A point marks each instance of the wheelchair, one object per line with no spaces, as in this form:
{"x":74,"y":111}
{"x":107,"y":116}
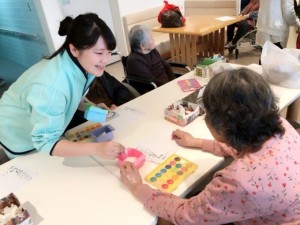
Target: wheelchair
{"x":247,"y":38}
{"x":144,"y":85}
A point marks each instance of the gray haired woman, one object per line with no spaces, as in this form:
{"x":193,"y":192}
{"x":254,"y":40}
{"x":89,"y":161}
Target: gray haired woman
{"x":144,"y":61}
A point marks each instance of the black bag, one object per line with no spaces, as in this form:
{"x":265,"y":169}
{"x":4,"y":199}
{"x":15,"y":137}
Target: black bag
{"x":170,"y":18}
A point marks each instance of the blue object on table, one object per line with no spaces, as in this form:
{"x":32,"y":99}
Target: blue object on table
{"x":104,"y":133}
{"x":96,"y":114}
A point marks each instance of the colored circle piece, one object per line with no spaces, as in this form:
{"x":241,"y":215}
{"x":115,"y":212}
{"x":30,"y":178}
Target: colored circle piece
{"x":170,"y":181}
{"x":153,"y":179}
{"x":163,"y":170}
{"x":165,"y":186}
{"x":179,"y":173}
{"x":168,"y":166}
{"x":178,"y":165}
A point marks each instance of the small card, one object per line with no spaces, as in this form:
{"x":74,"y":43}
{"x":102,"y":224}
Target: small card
{"x":189,"y":84}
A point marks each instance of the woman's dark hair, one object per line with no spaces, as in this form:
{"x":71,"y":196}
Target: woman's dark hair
{"x":241,"y":106}
{"x":83,"y":32}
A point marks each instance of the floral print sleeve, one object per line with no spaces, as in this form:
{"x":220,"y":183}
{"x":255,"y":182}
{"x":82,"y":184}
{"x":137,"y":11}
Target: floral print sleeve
{"x":258,"y":188}
{"x":219,"y":149}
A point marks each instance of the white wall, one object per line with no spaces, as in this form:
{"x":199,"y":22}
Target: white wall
{"x":50,"y":15}
{"x":75,"y":7}
{"x":111,"y":11}
{"x":125,"y":7}
{"x":23,"y":39}
{"x":130,"y":6}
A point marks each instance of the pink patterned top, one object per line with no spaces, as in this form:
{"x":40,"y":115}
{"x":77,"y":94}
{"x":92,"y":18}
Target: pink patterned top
{"x":258,"y":188}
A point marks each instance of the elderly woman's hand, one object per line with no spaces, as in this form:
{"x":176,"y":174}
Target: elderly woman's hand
{"x":183,"y":138}
{"x":130,"y":176}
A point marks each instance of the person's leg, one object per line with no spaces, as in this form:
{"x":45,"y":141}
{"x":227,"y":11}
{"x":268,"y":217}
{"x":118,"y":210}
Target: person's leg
{"x":243,"y":29}
{"x":230,"y":32}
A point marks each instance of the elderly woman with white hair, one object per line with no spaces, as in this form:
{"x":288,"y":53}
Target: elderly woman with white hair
{"x":144,"y":61}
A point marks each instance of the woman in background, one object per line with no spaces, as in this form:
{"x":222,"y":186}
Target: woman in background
{"x":274,"y":20}
{"x":250,"y":13}
{"x":261,"y":185}
{"x":144,"y":61}
{"x":37,"y":108}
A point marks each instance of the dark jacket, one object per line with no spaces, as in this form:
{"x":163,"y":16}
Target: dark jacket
{"x":105,"y":89}
{"x":108,"y":90}
{"x":150,"y":66}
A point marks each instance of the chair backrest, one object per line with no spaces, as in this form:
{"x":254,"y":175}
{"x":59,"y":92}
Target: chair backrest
{"x":131,"y":89}
{"x":148,"y":18}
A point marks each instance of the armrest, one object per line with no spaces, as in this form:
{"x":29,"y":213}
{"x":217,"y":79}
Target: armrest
{"x":141,"y":80}
{"x":179,"y":65}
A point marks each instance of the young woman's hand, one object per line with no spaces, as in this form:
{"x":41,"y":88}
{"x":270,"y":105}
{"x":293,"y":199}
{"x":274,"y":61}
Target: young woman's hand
{"x":109,"y":149}
{"x":183,"y":138}
{"x":113,"y":106}
{"x":100,"y":105}
{"x":130,"y":176}
{"x":103,"y":106}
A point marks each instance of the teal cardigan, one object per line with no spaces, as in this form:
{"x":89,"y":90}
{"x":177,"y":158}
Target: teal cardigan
{"x":36,"y":109}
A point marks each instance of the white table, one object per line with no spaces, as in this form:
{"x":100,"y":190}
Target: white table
{"x":86,"y":190}
{"x":74,"y":191}
{"x":153,"y":104}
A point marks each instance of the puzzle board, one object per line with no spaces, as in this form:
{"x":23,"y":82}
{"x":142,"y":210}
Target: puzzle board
{"x":82,"y":133}
{"x":169,"y":175}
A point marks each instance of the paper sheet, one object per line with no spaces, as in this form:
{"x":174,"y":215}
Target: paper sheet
{"x":14,"y":178}
{"x":225,"y":18}
{"x":158,"y":146}
{"x":126,"y":116}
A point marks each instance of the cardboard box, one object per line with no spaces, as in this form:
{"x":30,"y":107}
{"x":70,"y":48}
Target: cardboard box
{"x":182,"y":112}
{"x":11,"y":212}
{"x":202,"y":67}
